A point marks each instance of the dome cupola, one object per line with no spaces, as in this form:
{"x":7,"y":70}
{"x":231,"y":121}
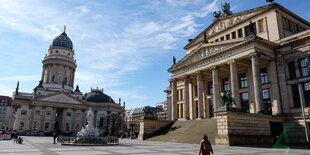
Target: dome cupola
{"x":62,"y":41}
{"x":97,"y":95}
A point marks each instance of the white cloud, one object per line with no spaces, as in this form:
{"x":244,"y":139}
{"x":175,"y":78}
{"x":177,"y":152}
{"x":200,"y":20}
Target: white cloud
{"x":4,"y":90}
{"x":82,"y":8}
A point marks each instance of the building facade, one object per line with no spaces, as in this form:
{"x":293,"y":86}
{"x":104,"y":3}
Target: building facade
{"x":6,"y":113}
{"x":261,"y":56}
{"x":55,"y":106}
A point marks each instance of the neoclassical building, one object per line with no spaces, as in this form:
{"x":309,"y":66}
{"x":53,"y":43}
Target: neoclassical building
{"x":260,"y":55}
{"x":54,"y":104}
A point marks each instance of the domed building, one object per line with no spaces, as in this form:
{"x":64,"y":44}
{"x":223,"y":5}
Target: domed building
{"x":55,"y":106}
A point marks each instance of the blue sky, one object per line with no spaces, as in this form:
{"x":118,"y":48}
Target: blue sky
{"x":123,"y":46}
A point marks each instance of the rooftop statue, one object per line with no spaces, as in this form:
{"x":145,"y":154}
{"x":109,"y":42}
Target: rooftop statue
{"x":226,"y":9}
{"x":217,"y":14}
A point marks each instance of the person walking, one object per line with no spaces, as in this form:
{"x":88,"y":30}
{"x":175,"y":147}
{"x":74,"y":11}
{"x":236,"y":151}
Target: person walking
{"x":15,"y":137}
{"x":205,"y":146}
{"x":54,"y":137}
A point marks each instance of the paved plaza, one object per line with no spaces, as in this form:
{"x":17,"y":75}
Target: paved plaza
{"x":44,"y":145}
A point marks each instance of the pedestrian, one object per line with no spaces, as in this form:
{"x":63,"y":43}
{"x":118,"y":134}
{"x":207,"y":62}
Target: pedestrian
{"x":205,"y":146}
{"x":15,"y":137}
{"x":54,"y":137}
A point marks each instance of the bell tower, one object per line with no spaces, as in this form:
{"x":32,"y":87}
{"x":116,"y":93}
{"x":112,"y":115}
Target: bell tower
{"x":59,"y":64}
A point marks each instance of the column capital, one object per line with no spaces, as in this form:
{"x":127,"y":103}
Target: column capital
{"x":172,"y":80}
{"x":186,"y":76}
{"x":214,"y":68}
{"x":253,"y":55}
{"x":198,"y":72}
{"x":231,"y":61}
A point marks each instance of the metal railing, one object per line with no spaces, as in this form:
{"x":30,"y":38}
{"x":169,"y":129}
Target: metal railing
{"x":88,"y":140}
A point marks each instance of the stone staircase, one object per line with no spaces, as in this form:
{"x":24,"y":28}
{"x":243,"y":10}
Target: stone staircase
{"x":295,"y":130}
{"x":190,"y":131}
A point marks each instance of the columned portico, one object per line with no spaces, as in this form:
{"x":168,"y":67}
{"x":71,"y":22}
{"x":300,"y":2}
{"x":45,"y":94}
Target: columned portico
{"x":234,"y":82}
{"x":216,"y":90}
{"x":257,"y":83}
{"x":186,"y":98}
{"x":200,"y":94}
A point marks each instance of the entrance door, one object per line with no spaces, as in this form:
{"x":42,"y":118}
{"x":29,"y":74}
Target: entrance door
{"x":58,"y":119}
{"x":276,"y":128}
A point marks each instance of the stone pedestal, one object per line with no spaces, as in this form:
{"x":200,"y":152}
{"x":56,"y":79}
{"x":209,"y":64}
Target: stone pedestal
{"x":238,"y":128}
{"x":149,"y":127}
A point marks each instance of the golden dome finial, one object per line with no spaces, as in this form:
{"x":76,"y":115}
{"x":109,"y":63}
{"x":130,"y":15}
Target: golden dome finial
{"x":65,"y":28}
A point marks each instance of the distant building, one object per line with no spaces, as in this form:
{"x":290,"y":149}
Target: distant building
{"x":161,"y":115}
{"x":6,"y":113}
{"x":162,"y":105}
{"x":55,"y":106}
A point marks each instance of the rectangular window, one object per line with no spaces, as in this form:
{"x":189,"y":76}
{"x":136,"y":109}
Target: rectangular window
{"x":178,"y":95}
{"x":225,"y":84}
{"x":240,"y":34}
{"x":181,"y":110}
{"x":267,"y":102}
{"x":303,"y":63}
{"x":48,"y":113}
{"x":46,"y":126}
{"x":291,"y":69}
{"x":290,"y":26}
{"x":181,"y":90}
{"x":23,"y":112}
{"x":216,"y":40}
{"x":35,"y":125}
{"x":53,"y":78}
{"x":222,"y":38}
{"x":261,"y":26}
{"x":69,"y":114}
{"x":211,"y":108}
{"x":243,"y":80}
{"x":210,"y":87}
{"x":37,"y":112}
{"x":228,"y":37}
{"x":264,"y":75}
{"x":196,"y":90}
{"x":295,"y":95}
{"x":233,"y":35}
{"x":245,"y":102}
{"x":307,"y":93}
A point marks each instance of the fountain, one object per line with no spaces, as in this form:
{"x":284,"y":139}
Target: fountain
{"x":88,"y":135}
{"x":89,"y":130}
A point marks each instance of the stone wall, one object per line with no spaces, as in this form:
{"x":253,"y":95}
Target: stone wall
{"x":237,"y":128}
{"x":149,"y":127}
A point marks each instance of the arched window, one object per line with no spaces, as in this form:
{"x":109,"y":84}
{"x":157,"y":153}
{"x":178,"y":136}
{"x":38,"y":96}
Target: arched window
{"x":21,"y":126}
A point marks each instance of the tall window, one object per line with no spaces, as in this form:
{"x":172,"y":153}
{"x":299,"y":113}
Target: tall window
{"x":181,"y":110}
{"x":211,"y":108}
{"x":196,"y":90}
{"x":228,"y":37}
{"x":77,"y":126}
{"x":243,"y":80}
{"x":295,"y":95}
{"x":267,"y":102}
{"x":67,"y":127}
{"x":181,"y":94}
{"x":53,"y":78}
{"x":307,"y":93}
{"x":261,"y":26}
{"x":225,"y":84}
{"x":264,"y":75}
{"x":240,"y":34}
{"x":233,"y":35}
{"x":210,"y":87}
{"x":245,"y":102}
{"x":46,"y":126}
{"x":222,"y":38}
{"x":196,"y":103}
{"x":291,"y":69}
{"x":303,"y":67}
{"x":21,"y":126}
{"x":35,"y":125}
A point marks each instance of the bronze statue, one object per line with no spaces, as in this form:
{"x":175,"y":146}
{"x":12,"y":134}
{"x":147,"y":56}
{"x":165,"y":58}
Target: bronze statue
{"x":226,"y":9}
{"x":217,"y":14}
{"x":252,"y":28}
{"x":228,"y":99}
{"x":270,"y":1}
{"x":174,"y":60}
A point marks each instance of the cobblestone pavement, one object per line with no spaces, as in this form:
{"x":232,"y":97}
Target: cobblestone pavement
{"x":44,"y":145}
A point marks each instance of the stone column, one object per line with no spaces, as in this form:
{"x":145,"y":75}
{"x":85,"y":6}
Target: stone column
{"x":191,"y":107}
{"x":186,"y":98}
{"x":72,"y":80}
{"x":179,"y":112}
{"x":168,"y":105}
{"x":174,"y":99}
{"x":275,"y":93}
{"x":31,"y":108}
{"x":43,"y":71}
{"x":302,"y":104}
{"x":42,"y":122}
{"x":216,"y":89}
{"x":234,"y":82}
{"x":257,"y":84}
{"x":200,"y":94}
{"x":63,"y":120}
{"x":53,"y":119}
{"x":73,"y":120}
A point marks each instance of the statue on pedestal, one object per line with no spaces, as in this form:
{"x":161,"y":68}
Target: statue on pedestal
{"x":228,"y":99}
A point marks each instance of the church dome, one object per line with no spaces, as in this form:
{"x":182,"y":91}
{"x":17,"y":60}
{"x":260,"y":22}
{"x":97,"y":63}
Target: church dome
{"x":62,"y":41}
{"x":97,"y":95}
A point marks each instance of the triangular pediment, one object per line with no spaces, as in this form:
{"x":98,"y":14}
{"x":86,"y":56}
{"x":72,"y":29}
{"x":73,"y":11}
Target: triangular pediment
{"x":224,"y":22}
{"x":60,"y":98}
{"x":205,"y":51}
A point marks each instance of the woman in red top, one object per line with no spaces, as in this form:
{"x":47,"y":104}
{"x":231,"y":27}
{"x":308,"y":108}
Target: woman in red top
{"x":205,"y":146}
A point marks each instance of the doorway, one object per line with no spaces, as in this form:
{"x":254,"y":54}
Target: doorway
{"x":276,"y":129}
